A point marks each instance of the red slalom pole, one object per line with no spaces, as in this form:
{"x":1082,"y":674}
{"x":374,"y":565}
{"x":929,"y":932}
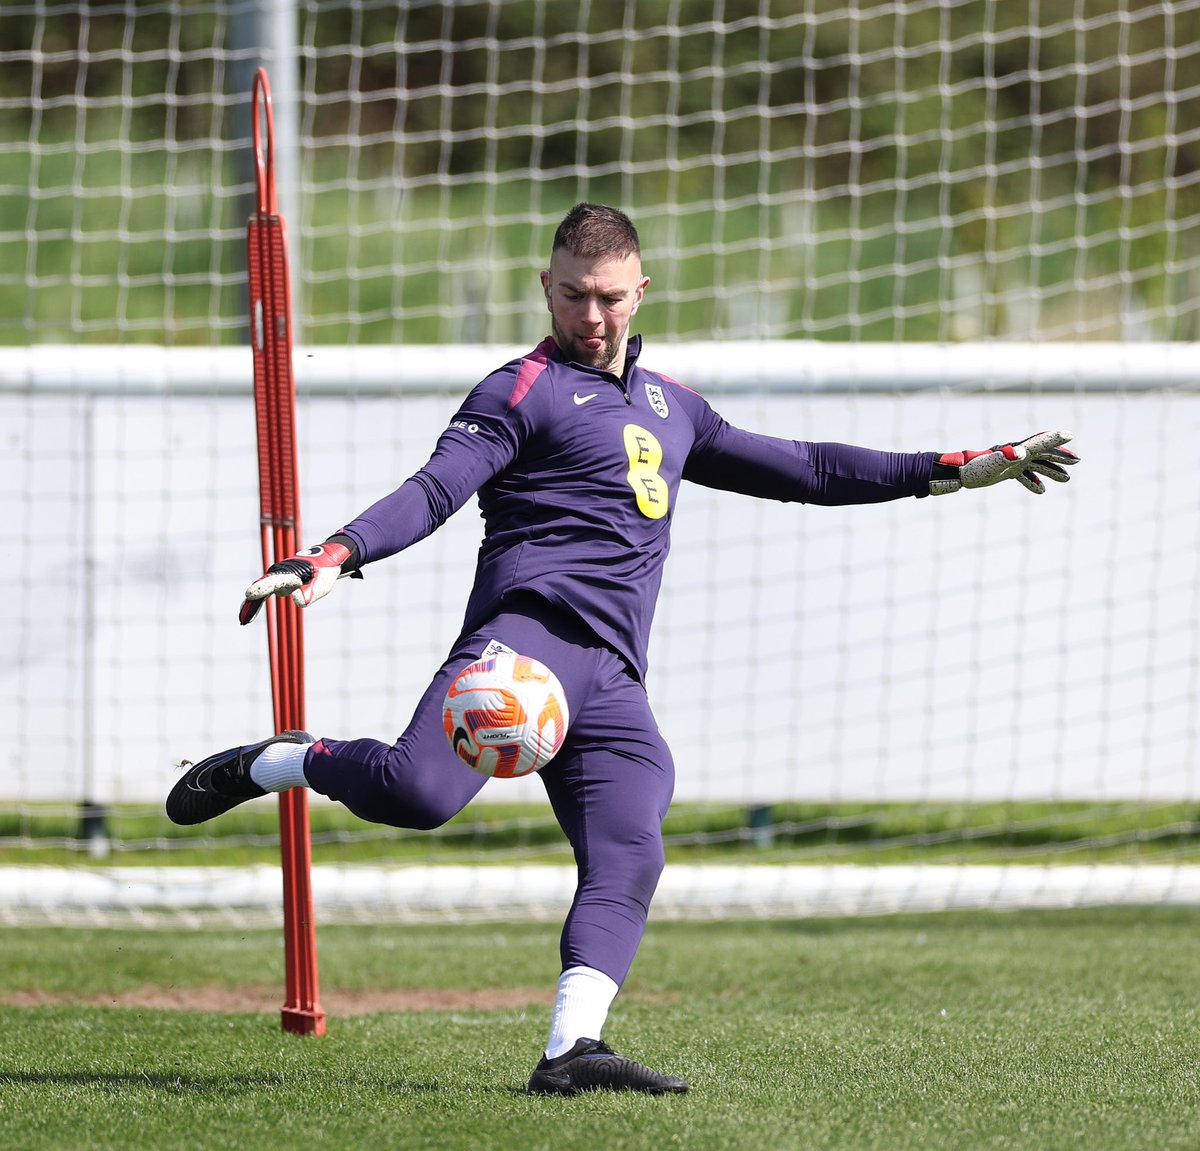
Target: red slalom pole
{"x":279,"y":503}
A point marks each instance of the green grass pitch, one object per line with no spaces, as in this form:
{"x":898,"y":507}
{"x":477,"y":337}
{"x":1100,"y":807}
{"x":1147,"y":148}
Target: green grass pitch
{"x":961,"y":1030}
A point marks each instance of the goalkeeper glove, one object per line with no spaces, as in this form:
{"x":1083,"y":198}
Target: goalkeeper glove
{"x":306,"y":576}
{"x":1026,"y":462}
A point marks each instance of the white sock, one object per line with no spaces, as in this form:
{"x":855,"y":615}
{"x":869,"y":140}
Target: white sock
{"x":580,"y":1009}
{"x":280,"y":766}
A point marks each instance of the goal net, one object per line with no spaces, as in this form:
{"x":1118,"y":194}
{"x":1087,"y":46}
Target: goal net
{"x":909,"y":225}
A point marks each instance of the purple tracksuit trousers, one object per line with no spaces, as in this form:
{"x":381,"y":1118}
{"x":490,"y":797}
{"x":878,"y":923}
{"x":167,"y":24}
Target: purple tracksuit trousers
{"x":610,"y":785}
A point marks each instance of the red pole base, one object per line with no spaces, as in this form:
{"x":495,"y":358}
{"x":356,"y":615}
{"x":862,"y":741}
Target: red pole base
{"x":298,"y":1021}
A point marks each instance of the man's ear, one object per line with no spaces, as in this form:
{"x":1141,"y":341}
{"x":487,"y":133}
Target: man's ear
{"x":638,"y":297}
{"x":546,"y":287}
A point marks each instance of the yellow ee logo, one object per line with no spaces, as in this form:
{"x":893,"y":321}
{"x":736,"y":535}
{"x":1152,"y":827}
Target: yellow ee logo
{"x":645,"y":457}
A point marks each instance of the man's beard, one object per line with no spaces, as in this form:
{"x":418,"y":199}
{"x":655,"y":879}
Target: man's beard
{"x":603,"y":357}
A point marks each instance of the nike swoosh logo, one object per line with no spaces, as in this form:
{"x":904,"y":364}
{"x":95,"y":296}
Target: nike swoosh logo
{"x":581,"y":400}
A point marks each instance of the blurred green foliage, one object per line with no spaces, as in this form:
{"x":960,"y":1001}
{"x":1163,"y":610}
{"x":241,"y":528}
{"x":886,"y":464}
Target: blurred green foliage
{"x":839,"y":161}
{"x":836,"y":86}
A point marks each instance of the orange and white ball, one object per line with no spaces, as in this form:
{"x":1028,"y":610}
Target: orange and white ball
{"x":506,"y":715}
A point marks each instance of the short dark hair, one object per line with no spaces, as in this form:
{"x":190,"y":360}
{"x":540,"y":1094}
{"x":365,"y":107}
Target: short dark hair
{"x":596,"y":231}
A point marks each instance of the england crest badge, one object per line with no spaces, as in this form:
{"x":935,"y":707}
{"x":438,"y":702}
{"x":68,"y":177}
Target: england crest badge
{"x":658,"y":401}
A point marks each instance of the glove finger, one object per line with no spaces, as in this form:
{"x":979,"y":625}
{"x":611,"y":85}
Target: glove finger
{"x":273,"y":583}
{"x":1057,"y":455}
{"x":1030,"y":481}
{"x":249,"y":609}
{"x":1050,"y":469}
{"x":1044,"y":442}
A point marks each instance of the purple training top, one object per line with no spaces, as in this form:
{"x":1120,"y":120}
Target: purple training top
{"x":578,"y":472}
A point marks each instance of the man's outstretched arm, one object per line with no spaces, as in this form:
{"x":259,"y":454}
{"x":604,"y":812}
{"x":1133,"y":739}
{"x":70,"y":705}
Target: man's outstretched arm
{"x":733,"y":459}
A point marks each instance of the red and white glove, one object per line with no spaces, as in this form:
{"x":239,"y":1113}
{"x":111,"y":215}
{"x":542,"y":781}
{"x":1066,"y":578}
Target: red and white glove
{"x":1026,"y":462}
{"x":306,"y":577}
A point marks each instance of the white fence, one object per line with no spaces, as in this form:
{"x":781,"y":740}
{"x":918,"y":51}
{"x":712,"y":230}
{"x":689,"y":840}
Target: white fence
{"x":986,"y":645}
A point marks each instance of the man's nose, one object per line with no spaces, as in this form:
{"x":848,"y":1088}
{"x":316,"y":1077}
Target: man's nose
{"x":592,"y":312}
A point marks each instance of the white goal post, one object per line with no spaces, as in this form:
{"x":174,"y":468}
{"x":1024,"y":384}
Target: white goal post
{"x":712,"y":367}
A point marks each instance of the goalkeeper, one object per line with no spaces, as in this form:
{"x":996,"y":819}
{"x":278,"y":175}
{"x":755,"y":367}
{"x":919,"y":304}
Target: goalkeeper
{"x":578,"y":455}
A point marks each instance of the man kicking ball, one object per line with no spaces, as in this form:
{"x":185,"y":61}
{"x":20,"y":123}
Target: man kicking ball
{"x":578,"y":455}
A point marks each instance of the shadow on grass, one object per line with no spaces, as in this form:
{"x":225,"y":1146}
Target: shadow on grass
{"x":226,"y":1085}
{"x":158,"y":1081}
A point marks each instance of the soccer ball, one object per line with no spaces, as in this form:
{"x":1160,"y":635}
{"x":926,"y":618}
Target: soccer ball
{"x":505,"y":715}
